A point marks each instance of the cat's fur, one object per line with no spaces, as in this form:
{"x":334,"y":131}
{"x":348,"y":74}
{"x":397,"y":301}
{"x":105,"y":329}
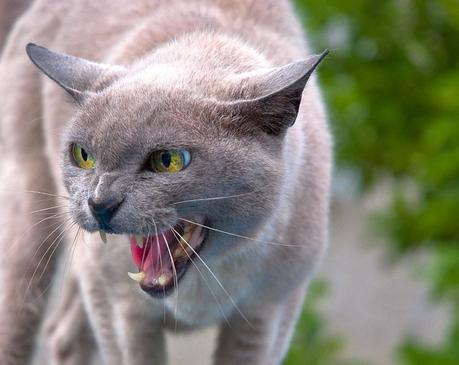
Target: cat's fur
{"x":10,"y":10}
{"x":186,"y":70}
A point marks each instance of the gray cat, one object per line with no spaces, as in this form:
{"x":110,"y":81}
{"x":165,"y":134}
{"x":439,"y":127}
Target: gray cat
{"x":194,"y":136}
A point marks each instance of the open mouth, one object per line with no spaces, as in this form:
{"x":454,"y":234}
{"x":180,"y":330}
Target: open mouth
{"x":163,"y":258}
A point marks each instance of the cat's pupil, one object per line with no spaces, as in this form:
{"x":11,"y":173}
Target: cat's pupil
{"x":84,"y":155}
{"x":166,"y":159}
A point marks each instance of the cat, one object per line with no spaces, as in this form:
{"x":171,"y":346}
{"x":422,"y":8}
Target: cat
{"x":188,"y":135}
{"x":10,"y":10}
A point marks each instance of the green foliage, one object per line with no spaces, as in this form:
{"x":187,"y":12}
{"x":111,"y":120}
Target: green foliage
{"x":312,"y":345}
{"x":392,"y":87}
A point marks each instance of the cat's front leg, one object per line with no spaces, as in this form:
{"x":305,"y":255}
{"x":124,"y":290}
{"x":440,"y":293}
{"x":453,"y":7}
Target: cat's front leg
{"x":142,"y":339}
{"x":263,"y":337}
{"x":68,"y":333}
{"x":127,"y":324}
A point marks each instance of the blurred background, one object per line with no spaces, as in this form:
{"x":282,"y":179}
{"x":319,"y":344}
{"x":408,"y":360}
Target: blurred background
{"x":388,"y":290}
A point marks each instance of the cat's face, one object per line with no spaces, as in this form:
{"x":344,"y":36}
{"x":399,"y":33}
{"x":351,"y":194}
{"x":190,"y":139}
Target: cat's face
{"x":124,"y":133}
{"x":171,"y":168}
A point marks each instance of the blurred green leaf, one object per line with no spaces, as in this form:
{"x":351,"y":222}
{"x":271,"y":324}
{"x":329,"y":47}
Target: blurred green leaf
{"x":312,"y":344}
{"x":392,"y":88}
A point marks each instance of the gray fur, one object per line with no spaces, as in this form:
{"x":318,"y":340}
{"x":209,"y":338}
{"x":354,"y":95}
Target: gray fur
{"x":219,"y":78}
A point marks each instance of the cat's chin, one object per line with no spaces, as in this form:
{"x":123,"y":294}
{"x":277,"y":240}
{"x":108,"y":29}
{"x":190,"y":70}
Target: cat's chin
{"x":164,"y":258}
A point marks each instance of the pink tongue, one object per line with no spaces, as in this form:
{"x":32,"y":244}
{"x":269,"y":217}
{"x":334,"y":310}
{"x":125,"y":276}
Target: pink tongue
{"x":154,"y":248}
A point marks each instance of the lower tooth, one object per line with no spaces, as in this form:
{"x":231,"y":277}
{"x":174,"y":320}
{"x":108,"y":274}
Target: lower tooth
{"x":162,"y":280}
{"x":188,"y":228}
{"x":186,"y":238}
{"x":137,"y":277}
{"x":177,"y":253}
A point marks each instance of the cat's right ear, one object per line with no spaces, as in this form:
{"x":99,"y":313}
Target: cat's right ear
{"x":75,"y":75}
{"x":278,"y":93}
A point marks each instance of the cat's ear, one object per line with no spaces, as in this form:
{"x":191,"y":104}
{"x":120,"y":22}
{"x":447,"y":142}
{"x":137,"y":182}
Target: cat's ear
{"x":280,"y":91}
{"x":75,"y":75}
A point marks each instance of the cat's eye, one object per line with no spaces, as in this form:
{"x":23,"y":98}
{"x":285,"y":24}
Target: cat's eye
{"x":82,"y":157}
{"x":169,"y":160}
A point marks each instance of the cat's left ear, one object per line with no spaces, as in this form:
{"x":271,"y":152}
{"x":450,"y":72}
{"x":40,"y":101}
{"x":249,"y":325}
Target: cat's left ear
{"x":75,"y":75}
{"x":280,"y":91}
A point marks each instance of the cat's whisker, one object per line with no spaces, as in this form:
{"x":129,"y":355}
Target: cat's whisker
{"x":161,"y":266}
{"x":143,"y":253}
{"x":44,"y":214}
{"x":175,"y":280}
{"x":202,"y":276}
{"x":41,"y":216}
{"x":56,"y":240}
{"x":17,"y":240}
{"x":47,"y":194}
{"x":61,"y":239}
{"x":61,"y":234}
{"x":45,"y":199}
{"x":51,"y":282}
{"x":214,"y":198}
{"x":49,"y":208}
{"x":241,"y":236}
{"x":48,"y":236}
{"x":69,"y":259}
{"x":219,"y":283}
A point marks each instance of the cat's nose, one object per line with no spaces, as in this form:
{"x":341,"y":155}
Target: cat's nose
{"x":104,"y":209}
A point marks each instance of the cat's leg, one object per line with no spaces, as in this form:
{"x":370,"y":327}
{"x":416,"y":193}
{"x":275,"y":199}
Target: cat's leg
{"x":99,"y":308}
{"x":26,"y":232}
{"x":125,"y":321}
{"x":68,"y":333}
{"x":263,"y":338}
{"x":142,"y":340}
{"x":29,"y":247}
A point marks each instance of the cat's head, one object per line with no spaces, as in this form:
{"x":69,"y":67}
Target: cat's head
{"x":161,"y":150}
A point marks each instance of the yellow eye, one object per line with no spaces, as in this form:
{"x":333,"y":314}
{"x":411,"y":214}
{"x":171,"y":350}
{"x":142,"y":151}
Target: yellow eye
{"x":83,"y":159}
{"x":169,"y":160}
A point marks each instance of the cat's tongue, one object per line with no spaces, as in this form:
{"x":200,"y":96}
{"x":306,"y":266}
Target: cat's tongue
{"x":146,"y":251}
{"x":152,"y":256}
{"x":162,"y":258}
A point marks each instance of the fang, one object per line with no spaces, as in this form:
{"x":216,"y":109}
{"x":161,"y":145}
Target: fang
{"x":103,"y":236}
{"x":137,"y":277}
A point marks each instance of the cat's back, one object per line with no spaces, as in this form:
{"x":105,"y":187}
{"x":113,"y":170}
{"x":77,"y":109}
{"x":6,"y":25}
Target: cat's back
{"x":123,"y":31}
{"x":94,"y":28}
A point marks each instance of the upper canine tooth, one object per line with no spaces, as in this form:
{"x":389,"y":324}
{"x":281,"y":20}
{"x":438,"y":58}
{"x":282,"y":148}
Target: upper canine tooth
{"x":188,"y":228}
{"x":186,"y":237}
{"x":103,"y":236}
{"x":137,"y":277}
{"x":139,"y":240}
{"x":179,"y":252}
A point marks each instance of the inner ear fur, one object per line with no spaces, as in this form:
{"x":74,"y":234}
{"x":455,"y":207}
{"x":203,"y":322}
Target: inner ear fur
{"x":281,"y":90}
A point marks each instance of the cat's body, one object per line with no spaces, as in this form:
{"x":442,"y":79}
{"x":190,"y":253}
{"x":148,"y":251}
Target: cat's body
{"x":255,"y":293}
